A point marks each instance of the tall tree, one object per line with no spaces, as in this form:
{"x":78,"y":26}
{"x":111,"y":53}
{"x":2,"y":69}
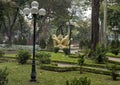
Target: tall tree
{"x":11,"y":11}
{"x":57,"y":15}
{"x":95,"y":24}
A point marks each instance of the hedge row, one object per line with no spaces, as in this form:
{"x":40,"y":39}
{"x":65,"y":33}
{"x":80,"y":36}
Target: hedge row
{"x":65,"y":69}
{"x":97,"y":71}
{"x":58,"y":69}
{"x":91,"y":65}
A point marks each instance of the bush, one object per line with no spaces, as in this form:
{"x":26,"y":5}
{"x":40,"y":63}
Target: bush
{"x":90,"y":53}
{"x":115,"y":44}
{"x":113,"y":69}
{"x":3,"y":76}
{"x":23,"y":56}
{"x":80,"y":81}
{"x":84,"y":44}
{"x":42,"y":43}
{"x":81,"y":61}
{"x":44,"y":58}
{"x":115,"y":51}
{"x":56,"y":49}
{"x":66,"y":51}
{"x":2,"y":53}
{"x":99,"y":54}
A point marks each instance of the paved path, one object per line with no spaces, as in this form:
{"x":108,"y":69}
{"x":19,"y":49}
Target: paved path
{"x":66,"y":65}
{"x":114,"y":59}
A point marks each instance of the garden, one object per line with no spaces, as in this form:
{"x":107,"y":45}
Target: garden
{"x":59,"y":42}
{"x":53,"y":67}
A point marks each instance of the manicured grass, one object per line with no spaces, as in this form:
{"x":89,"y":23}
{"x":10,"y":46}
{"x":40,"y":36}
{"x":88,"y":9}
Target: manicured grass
{"x":20,"y":75}
{"x":56,"y":57}
{"x":61,"y":57}
{"x":10,"y":55}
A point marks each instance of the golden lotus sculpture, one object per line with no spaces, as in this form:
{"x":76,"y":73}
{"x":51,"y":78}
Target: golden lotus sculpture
{"x":60,"y":41}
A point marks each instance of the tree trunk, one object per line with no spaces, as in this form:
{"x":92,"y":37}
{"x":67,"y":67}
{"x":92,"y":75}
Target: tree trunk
{"x":105,"y":23}
{"x":95,"y":24}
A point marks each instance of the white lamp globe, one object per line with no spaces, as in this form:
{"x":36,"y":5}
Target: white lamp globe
{"x":26,"y":11}
{"x":35,"y":4}
{"x":34,"y":10}
{"x":42,"y":12}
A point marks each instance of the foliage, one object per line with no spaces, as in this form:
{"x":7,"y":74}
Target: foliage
{"x":57,"y":17}
{"x":113,"y":69}
{"x":115,"y":44}
{"x":56,"y":49}
{"x":80,"y":81}
{"x":3,"y":76}
{"x":2,"y":53}
{"x":42,"y":43}
{"x":44,"y":58}
{"x":66,"y":50}
{"x":1,"y":11}
{"x":10,"y":23}
{"x":81,"y":61}
{"x":23,"y":56}
{"x":99,"y":54}
{"x":113,"y":15}
{"x":115,"y":51}
{"x":50,"y":44}
{"x":84,"y":43}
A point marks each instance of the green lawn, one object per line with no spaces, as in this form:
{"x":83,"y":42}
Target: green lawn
{"x":56,"y":57}
{"x":20,"y":75}
{"x":62,"y":58}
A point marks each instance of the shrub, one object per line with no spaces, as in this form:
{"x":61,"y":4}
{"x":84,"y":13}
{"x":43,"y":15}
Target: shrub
{"x":90,"y":53}
{"x":56,"y":49}
{"x":84,"y":44}
{"x":66,"y":51}
{"x":80,"y":81}
{"x":23,"y":56}
{"x":81,"y":61}
{"x":99,"y":54}
{"x":2,"y":53}
{"x":115,"y":44}
{"x":44,"y":58}
{"x":115,"y":51}
{"x":42,"y":43}
{"x":113,"y":69}
{"x":3,"y":76}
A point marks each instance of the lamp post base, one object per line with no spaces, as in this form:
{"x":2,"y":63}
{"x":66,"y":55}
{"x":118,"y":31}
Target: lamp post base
{"x":33,"y":80}
{"x":33,"y":73}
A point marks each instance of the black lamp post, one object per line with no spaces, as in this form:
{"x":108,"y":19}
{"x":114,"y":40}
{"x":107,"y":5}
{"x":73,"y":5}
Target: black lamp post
{"x":70,"y":24}
{"x":34,"y":11}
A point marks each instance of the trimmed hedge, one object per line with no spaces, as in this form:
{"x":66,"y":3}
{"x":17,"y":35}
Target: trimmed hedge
{"x":58,"y":69}
{"x":90,"y":65}
{"x":65,"y":69}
